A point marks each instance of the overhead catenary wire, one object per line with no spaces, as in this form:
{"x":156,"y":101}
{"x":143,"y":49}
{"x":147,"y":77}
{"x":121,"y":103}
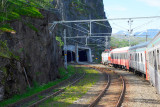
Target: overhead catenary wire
{"x":102,"y":25}
{"x":74,"y":28}
{"x":82,"y":28}
{"x":101,"y":20}
{"x":96,"y":35}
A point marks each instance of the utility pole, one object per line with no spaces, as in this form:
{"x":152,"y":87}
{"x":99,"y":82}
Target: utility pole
{"x":65,"y":50}
{"x":86,"y":40}
{"x":62,"y":11}
{"x":130,"y":21}
{"x":90,"y":31}
{"x":76,"y":53}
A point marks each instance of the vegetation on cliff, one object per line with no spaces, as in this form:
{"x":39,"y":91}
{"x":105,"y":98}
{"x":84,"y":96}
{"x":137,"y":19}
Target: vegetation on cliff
{"x":38,"y":88}
{"x":17,"y":10}
{"x":11,"y":10}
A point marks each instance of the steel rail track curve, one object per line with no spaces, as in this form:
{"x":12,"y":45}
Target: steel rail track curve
{"x":56,"y":93}
{"x":21,"y":102}
{"x":120,"y":100}
{"x":101,"y":94}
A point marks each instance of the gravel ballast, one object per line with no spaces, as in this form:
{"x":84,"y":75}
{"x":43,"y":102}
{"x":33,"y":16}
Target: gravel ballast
{"x":139,"y":92}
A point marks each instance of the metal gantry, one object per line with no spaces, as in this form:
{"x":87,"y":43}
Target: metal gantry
{"x":87,"y":32}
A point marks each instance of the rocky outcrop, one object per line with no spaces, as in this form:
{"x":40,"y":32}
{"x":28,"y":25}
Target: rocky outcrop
{"x":82,"y":10}
{"x":39,"y":52}
{"x":1,"y":85}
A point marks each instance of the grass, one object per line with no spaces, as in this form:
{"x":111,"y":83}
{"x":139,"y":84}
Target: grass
{"x":38,"y":88}
{"x":75,"y":92}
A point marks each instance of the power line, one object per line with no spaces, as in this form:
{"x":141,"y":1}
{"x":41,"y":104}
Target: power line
{"x":101,"y":20}
{"x":75,"y":28}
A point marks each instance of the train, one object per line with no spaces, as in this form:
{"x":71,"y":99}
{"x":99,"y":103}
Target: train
{"x":106,"y":59}
{"x":143,"y":59}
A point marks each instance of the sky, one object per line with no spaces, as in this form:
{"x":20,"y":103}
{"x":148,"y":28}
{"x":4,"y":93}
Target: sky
{"x":133,"y":8}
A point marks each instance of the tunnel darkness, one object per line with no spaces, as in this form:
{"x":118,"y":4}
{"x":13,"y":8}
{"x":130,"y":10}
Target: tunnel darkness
{"x":82,"y":55}
{"x":69,"y":56}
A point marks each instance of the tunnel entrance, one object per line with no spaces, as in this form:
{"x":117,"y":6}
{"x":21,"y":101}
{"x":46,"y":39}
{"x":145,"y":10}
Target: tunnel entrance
{"x":82,"y":55}
{"x":76,"y":54}
{"x":70,"y":56}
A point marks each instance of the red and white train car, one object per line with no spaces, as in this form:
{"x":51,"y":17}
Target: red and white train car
{"x":119,"y":57}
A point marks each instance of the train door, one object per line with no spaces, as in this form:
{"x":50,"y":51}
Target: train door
{"x":156,"y":74}
{"x":155,"y":68}
{"x":146,"y":65}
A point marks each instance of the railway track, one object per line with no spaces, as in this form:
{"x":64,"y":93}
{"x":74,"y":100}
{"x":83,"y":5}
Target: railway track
{"x":34,"y":100}
{"x":114,"y":80}
{"x":104,"y":98}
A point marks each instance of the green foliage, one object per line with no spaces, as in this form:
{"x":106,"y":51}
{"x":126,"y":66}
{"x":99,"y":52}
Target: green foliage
{"x":6,"y":28}
{"x":11,"y":10}
{"x":4,"y":69}
{"x":120,"y":42}
{"x":31,"y":26}
{"x":62,"y":71}
{"x":79,"y":6}
{"x":37,"y":88}
{"x":73,"y":93}
{"x":59,"y":40}
{"x":21,"y":50}
{"x":46,"y":4}
{"x":5,"y":52}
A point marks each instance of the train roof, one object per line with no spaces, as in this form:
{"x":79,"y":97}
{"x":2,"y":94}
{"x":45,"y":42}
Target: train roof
{"x":141,"y":45}
{"x":155,"y":40}
{"x":155,"y":37}
{"x":120,"y":50}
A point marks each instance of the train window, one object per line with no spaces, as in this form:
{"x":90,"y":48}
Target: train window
{"x":116,"y":56}
{"x":121,"y":56}
{"x":153,"y":59}
{"x":158,"y":59}
{"x":126,"y":55}
{"x":141,"y":58}
{"x":150,"y":56}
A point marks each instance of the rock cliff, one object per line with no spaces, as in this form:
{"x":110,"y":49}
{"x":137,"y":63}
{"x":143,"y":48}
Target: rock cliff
{"x":84,"y":10}
{"x":39,"y":52}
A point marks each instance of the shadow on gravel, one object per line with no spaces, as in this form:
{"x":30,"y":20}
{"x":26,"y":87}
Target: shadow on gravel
{"x":132,"y":80}
{"x":62,"y":104}
{"x":151,"y":101}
